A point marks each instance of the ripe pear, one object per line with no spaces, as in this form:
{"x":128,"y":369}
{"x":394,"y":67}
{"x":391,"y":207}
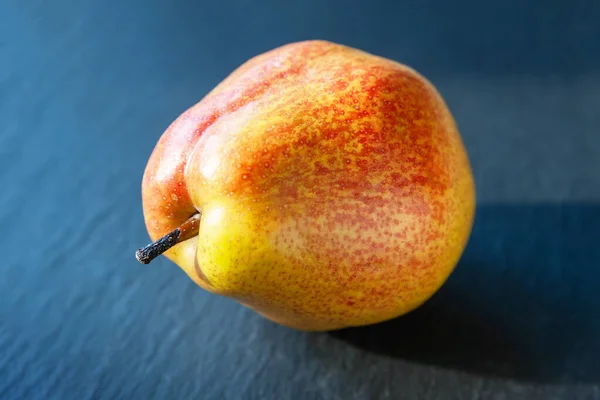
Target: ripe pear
{"x":320,"y":185}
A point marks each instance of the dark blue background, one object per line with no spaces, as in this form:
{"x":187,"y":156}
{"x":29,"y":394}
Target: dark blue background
{"x":86,"y":89}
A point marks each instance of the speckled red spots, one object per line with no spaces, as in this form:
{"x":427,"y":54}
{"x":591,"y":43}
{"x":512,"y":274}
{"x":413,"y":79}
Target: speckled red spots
{"x":351,"y":169}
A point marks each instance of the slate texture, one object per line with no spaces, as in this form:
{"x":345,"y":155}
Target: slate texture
{"x":86,"y":89}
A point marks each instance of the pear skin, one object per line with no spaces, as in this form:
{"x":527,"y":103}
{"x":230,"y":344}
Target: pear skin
{"x":333,"y":185}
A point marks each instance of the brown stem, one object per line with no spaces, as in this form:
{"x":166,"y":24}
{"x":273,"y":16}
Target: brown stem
{"x":185,"y":231}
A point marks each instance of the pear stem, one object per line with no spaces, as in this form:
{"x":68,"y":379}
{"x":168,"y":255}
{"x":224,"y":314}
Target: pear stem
{"x":183,"y":232}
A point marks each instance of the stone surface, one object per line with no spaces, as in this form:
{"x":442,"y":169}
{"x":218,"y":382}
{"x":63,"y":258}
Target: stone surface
{"x":86,"y":89}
